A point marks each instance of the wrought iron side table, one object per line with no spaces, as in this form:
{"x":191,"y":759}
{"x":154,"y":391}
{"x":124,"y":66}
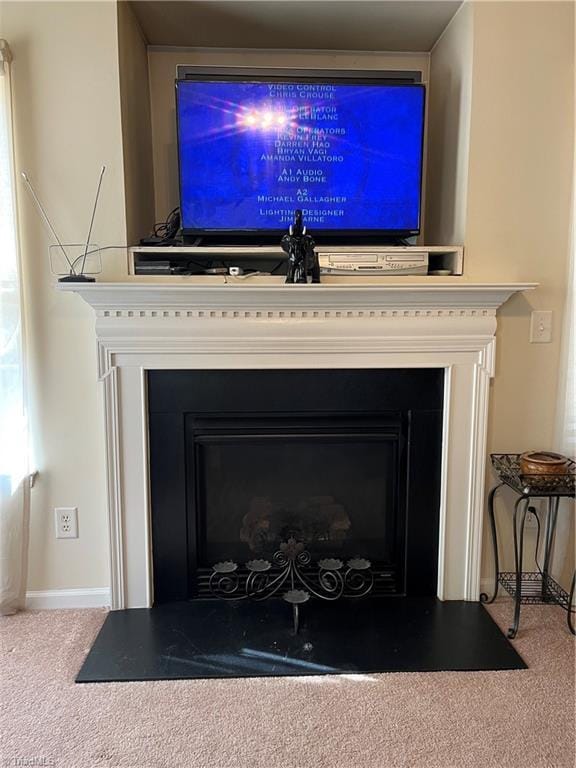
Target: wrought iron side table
{"x":530,"y":586}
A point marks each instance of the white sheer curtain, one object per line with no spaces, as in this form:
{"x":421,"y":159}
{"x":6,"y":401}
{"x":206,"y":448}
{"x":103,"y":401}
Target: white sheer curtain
{"x":565,"y":441}
{"x":566,"y":421}
{"x":14,"y":480}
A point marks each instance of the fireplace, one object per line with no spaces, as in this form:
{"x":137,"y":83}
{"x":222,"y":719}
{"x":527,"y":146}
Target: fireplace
{"x":347,"y":462}
{"x":204,"y":324}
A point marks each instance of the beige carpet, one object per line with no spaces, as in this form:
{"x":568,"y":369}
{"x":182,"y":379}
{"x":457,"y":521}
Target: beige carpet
{"x":523,"y":719}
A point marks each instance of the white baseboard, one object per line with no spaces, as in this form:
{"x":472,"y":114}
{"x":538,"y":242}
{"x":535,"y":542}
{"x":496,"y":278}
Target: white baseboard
{"x":94,"y":597}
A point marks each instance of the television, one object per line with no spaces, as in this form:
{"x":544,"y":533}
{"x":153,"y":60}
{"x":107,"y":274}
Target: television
{"x":253,"y":148}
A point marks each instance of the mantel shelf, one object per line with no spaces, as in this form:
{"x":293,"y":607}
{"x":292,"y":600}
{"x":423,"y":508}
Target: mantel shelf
{"x":401,"y":294}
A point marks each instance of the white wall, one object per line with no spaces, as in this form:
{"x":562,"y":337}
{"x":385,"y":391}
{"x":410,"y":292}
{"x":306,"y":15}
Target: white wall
{"x":449,"y":113}
{"x":509,"y":193}
{"x":499,"y":179}
{"x":519,"y":201}
{"x":67,"y":120}
{"x":136,"y":125}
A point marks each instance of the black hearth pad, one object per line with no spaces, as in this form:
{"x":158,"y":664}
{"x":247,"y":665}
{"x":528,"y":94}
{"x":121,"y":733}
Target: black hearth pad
{"x":209,"y":638}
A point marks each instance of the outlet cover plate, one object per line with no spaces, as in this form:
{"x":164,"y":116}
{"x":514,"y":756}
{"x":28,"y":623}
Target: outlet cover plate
{"x":66,"y":520}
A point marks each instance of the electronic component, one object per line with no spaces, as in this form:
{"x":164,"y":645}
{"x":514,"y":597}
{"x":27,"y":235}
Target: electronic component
{"x":377,"y":261}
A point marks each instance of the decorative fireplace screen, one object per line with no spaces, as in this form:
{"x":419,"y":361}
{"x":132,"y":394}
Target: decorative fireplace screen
{"x":346,"y":462}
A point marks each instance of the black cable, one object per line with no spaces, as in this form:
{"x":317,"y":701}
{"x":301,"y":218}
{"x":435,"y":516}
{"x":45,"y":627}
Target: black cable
{"x":532,"y":510}
{"x":166,"y":230}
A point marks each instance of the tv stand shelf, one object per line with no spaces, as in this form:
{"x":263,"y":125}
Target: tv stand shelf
{"x":145,"y":261}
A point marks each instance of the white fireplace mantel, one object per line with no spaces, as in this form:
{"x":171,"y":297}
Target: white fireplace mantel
{"x":143,"y":326}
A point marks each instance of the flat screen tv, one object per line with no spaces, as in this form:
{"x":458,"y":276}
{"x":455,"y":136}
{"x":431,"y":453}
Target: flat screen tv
{"x":346,"y":151}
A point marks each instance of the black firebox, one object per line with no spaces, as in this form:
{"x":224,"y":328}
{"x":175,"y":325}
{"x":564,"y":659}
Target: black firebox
{"x":345,"y":461}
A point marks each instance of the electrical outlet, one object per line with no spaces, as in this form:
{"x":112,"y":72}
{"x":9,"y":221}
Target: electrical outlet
{"x":66,"y":519}
{"x":541,"y":327}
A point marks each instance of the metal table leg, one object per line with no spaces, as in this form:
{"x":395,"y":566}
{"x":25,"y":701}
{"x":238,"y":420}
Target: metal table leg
{"x":518,"y":526}
{"x":571,"y":608}
{"x":551,"y":520}
{"x":484,"y":597}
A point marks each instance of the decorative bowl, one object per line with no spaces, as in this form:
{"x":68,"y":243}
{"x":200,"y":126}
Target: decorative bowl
{"x":543,"y":463}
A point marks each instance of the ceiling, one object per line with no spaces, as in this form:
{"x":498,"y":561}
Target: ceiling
{"x":379,"y":25}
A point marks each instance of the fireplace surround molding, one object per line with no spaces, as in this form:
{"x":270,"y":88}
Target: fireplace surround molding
{"x":143,"y":326}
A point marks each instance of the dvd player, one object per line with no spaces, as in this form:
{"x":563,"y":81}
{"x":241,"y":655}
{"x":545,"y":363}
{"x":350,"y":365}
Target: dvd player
{"x":375,"y":261}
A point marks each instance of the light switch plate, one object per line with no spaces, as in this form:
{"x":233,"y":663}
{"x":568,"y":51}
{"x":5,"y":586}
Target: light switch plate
{"x":541,"y":327}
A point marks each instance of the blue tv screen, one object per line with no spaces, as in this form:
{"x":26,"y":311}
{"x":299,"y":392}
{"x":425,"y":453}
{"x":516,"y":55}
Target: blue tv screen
{"x":348,"y":154}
